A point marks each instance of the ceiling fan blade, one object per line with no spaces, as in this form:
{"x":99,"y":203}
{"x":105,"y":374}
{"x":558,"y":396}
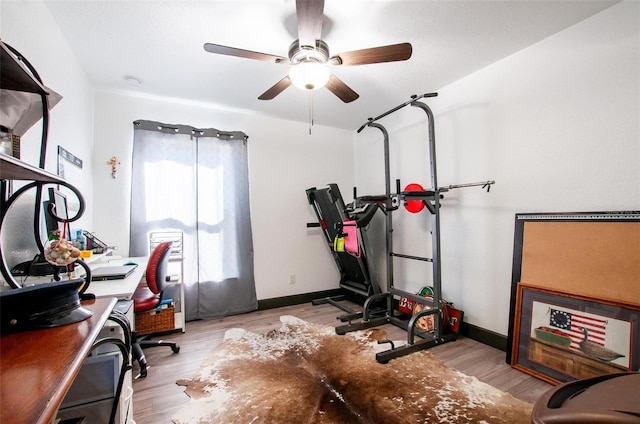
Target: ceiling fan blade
{"x":276,"y":89}
{"x":309,"y":14}
{"x":392,"y":53}
{"x":247,"y":54}
{"x":342,"y":90}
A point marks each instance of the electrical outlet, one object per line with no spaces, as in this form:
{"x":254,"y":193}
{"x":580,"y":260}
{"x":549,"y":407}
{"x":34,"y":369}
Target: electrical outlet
{"x":292,"y":278}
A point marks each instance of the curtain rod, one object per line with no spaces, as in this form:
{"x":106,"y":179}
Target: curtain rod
{"x":186,"y":129}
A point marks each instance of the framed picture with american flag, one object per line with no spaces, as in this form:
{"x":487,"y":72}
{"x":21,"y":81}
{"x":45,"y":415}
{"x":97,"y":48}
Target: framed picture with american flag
{"x":559,"y":337}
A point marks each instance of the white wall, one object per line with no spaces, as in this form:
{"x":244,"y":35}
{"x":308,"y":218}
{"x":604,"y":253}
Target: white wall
{"x":284,"y":160}
{"x":22,"y":26}
{"x":556,"y":125}
{"x":29,"y":28}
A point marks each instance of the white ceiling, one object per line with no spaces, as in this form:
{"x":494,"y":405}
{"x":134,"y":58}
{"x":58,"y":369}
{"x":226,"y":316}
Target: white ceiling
{"x":161,"y":43}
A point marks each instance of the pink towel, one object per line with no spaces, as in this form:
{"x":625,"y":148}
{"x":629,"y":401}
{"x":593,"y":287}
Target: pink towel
{"x":351,"y":244}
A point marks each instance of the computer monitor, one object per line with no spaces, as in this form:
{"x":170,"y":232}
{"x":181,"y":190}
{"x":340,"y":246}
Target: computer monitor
{"x":56,"y":206}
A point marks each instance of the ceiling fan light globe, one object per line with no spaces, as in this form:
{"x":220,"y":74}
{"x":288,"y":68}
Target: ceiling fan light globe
{"x":309,"y":75}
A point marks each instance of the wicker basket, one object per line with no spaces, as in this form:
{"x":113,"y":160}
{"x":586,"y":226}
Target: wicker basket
{"x":155,"y":321}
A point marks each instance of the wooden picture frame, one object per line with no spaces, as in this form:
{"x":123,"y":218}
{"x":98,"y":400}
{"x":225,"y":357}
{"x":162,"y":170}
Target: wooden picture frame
{"x":560,"y":337}
{"x":592,"y":254}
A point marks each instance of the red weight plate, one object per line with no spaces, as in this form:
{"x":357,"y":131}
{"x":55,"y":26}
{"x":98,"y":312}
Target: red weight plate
{"x":414,"y":206}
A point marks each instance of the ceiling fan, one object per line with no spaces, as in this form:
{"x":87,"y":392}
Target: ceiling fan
{"x":309,"y":56}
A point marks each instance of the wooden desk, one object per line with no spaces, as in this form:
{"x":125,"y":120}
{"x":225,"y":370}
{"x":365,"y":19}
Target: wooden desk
{"x":37,"y":367}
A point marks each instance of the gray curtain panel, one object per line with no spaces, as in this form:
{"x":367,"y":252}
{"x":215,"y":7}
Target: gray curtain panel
{"x":197,"y":181}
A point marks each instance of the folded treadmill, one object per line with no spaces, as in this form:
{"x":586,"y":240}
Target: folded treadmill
{"x":355,"y":272}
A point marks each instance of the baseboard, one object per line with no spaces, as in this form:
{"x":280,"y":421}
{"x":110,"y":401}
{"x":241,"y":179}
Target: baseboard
{"x":297,"y":299}
{"x":484,"y":336}
{"x":471,"y":331}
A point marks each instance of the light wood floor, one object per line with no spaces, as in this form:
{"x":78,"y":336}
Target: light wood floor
{"x":157,"y":396}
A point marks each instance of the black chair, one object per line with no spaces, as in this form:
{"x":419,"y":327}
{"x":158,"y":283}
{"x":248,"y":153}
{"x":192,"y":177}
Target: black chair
{"x":148,"y":297}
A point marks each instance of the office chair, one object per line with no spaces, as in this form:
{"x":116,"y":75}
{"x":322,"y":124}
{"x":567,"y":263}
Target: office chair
{"x":148,"y":297}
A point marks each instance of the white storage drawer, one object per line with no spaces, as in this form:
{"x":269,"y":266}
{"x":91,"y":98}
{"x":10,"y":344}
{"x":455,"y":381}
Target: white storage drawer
{"x":93,"y":413}
{"x":97,"y":380}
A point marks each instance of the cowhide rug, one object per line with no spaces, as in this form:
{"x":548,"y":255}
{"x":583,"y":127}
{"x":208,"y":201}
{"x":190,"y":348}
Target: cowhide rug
{"x":305,"y":373}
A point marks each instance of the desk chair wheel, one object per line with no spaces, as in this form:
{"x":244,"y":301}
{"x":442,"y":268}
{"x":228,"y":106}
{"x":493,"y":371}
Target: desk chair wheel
{"x":142,"y":374}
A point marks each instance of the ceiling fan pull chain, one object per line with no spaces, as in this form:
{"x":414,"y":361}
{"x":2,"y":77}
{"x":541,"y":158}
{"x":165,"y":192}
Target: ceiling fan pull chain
{"x":310,"y":111}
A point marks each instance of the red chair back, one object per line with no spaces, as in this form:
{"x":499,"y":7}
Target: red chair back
{"x":156,"y":274}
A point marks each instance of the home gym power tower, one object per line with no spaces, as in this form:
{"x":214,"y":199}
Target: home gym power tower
{"x":388,"y":203}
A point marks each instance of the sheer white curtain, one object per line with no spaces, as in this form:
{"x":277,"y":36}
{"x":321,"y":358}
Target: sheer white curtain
{"x":196,"y":181}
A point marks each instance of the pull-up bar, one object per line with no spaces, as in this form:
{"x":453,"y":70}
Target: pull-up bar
{"x":431,"y":200}
{"x":413,"y":99}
